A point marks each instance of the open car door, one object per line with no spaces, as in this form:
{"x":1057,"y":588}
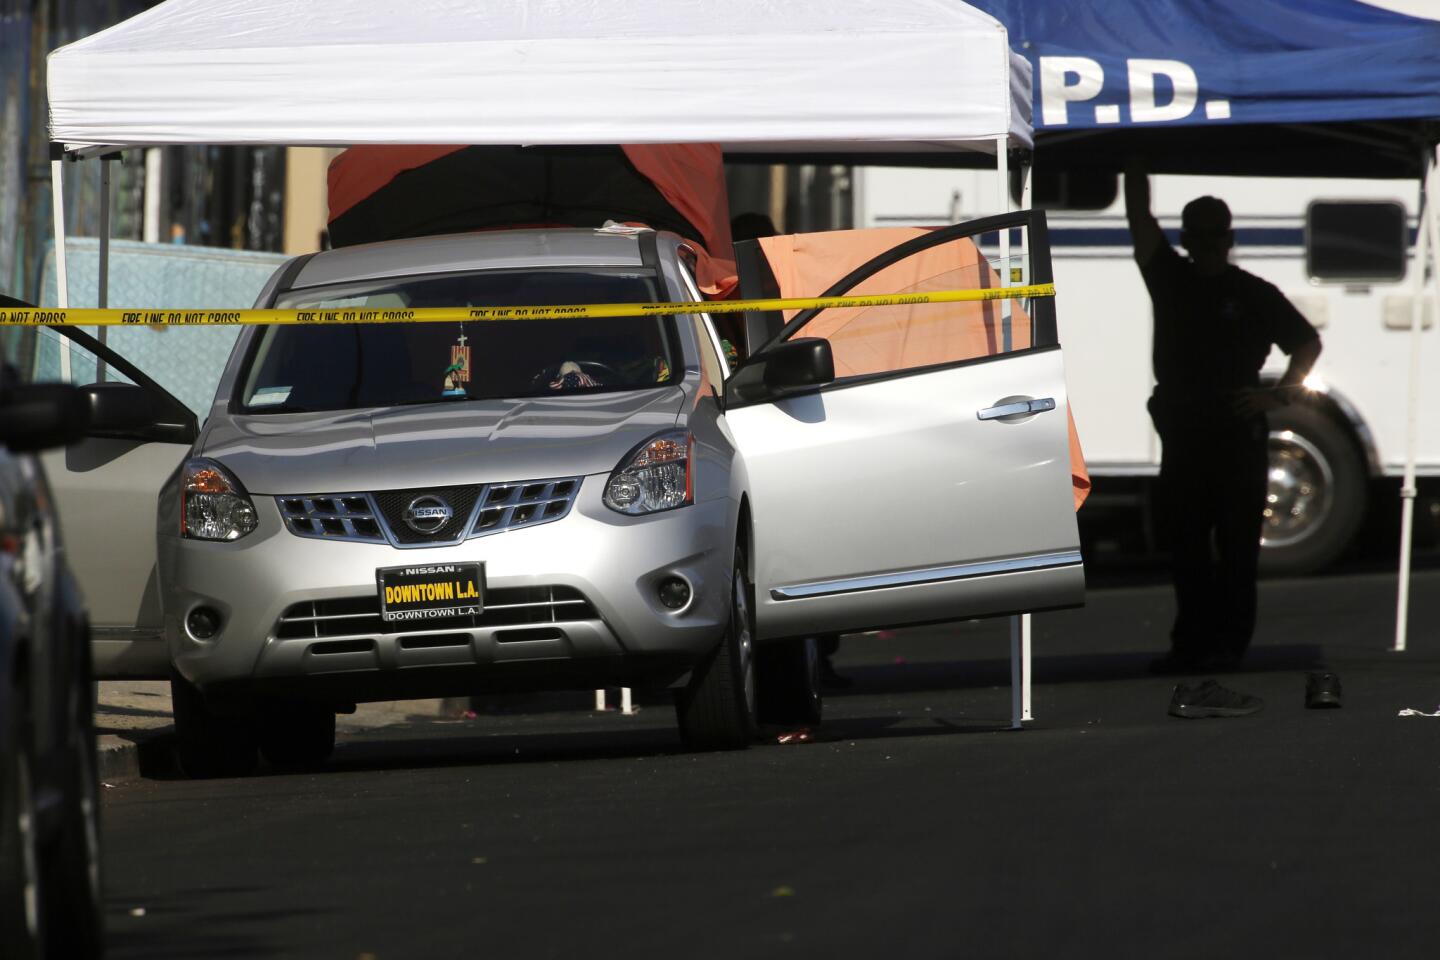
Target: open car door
{"x":108,"y":485}
{"x":929,"y":478}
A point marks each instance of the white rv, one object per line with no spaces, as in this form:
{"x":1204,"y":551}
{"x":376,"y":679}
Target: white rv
{"x":1338,"y":248}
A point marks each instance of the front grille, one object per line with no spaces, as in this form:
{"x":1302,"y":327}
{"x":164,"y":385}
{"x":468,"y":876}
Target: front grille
{"x":477,"y":511}
{"x":349,"y":517}
{"x":505,"y":607}
{"x":393,"y":503}
{"x":509,"y":505}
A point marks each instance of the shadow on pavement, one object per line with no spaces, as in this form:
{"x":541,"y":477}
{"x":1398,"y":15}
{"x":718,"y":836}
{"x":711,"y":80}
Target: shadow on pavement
{"x":897,"y":727}
{"x":428,"y":743}
{"x":1068,"y":668}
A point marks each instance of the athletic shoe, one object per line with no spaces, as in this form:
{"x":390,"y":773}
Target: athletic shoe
{"x":1208,"y":699}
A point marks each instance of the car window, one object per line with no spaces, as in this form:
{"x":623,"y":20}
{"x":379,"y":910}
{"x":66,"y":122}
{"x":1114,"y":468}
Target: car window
{"x":904,"y":336}
{"x":43,"y":355}
{"x":343,"y":366}
{"x":186,"y":361}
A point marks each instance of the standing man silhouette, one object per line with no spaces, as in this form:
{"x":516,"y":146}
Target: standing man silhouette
{"x":1214,"y":327}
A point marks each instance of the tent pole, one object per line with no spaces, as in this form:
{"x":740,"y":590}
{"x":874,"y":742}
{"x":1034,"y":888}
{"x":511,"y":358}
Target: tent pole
{"x":154,"y":167}
{"x":1412,"y":405}
{"x":102,"y":292}
{"x":1020,"y":622}
{"x":57,"y":212}
{"x":1002,"y":172}
{"x":1025,"y":624}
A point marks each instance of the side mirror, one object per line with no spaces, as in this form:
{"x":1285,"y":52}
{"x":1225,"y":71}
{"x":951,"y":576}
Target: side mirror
{"x":798,"y":364}
{"x":793,"y":366}
{"x":37,"y":416}
{"x":128,"y":412}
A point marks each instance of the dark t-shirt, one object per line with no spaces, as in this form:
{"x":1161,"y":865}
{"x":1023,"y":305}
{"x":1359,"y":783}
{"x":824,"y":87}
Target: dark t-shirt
{"x":1212,"y":334}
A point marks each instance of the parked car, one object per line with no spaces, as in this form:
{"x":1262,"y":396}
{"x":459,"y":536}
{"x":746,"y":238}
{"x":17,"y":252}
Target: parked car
{"x":49,"y":838}
{"x":389,"y":511}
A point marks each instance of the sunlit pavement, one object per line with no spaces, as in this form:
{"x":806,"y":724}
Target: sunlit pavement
{"x":913,"y":824}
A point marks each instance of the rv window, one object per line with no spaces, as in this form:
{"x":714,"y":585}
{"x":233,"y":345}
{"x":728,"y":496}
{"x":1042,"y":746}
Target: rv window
{"x":1353,"y":240}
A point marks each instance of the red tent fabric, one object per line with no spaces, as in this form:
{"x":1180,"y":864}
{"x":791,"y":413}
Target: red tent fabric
{"x":359,"y":171}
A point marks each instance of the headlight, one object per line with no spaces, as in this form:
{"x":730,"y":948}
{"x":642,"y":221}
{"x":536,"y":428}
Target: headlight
{"x":213,"y":505}
{"x":655,"y":477}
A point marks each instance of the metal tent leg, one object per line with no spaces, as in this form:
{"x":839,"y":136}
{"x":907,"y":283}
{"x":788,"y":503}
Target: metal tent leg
{"x":627,"y":705}
{"x":1423,"y":247}
{"x":102,"y":292}
{"x":1019,"y":672}
{"x":62,"y":277}
{"x":1020,"y":656}
{"x":57,"y":206}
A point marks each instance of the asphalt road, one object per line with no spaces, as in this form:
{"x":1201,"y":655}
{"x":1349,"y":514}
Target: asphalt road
{"x":914,"y":825}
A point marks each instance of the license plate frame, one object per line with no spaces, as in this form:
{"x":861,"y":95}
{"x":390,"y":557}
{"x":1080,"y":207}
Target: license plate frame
{"x":438,"y":591}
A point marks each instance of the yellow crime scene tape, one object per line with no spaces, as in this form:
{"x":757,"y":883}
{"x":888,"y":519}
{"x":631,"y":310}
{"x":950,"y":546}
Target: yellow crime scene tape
{"x":90,"y":317}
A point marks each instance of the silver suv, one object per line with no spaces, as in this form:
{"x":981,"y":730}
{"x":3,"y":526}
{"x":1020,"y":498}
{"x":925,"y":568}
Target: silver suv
{"x":391,"y":511}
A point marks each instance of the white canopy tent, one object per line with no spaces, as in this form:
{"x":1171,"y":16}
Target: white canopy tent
{"x":927,"y":74}
{"x":762,"y":76}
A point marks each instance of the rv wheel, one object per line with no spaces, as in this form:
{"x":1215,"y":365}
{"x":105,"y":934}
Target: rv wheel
{"x":1316,"y":494}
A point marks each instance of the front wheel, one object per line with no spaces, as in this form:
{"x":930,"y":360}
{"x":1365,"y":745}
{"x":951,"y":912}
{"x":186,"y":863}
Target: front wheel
{"x":1316,"y":492}
{"x":209,"y":744}
{"x":717,"y":710}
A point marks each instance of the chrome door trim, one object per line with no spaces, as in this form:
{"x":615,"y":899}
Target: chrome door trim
{"x":908,"y":578}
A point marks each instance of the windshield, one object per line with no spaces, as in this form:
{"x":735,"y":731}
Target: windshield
{"x":342,"y":366}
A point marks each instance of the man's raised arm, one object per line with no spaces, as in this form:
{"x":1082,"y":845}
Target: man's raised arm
{"x":1145,"y":232}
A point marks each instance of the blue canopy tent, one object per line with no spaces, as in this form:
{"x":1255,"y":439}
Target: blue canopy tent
{"x":1320,"y":88}
{"x":1256,"y":87}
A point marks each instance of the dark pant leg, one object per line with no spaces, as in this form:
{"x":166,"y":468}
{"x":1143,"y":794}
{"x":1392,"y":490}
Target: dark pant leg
{"x":1242,"y":489}
{"x":1186,"y":516}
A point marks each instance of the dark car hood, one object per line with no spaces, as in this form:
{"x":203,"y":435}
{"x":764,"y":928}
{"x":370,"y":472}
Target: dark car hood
{"x":439,"y":444}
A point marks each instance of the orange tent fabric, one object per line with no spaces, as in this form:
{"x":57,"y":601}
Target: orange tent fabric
{"x":690,"y":176}
{"x":879,"y":339}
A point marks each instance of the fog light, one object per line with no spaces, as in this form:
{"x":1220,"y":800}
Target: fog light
{"x":674,"y":593}
{"x":203,"y":623}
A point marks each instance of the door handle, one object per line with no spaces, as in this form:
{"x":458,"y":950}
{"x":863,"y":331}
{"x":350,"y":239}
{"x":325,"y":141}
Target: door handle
{"x":1016,"y":408}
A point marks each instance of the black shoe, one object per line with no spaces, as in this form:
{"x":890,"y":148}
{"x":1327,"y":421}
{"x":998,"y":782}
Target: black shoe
{"x":1322,"y":691}
{"x":1208,"y":699}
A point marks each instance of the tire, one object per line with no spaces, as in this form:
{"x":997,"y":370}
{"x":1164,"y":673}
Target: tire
{"x":22,"y":902}
{"x":74,"y":915}
{"x":717,"y":710}
{"x":1317,"y":492}
{"x":209,"y":745}
{"x":296,"y":736}
{"x":788,"y":682}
